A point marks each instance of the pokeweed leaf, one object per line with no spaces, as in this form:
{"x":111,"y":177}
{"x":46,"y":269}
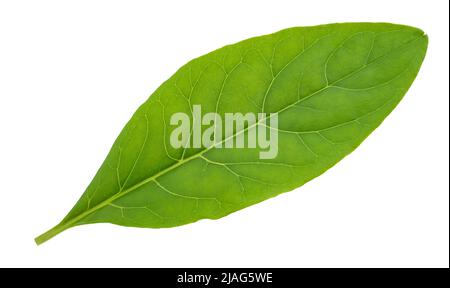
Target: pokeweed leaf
{"x":330,"y":85}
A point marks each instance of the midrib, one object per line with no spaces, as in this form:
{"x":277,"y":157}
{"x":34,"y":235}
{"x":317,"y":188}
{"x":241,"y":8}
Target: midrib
{"x":108,"y":201}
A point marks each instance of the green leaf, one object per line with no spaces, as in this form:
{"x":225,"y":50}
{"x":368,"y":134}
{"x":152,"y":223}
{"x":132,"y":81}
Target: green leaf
{"x":331,"y":86}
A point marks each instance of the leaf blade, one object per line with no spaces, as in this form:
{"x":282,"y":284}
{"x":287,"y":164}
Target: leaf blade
{"x":332,"y":85}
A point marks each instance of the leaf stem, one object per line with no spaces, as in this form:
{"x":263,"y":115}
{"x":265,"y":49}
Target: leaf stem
{"x":51,"y":233}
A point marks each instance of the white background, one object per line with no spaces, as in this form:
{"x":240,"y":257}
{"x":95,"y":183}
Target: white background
{"x":73,"y":72}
